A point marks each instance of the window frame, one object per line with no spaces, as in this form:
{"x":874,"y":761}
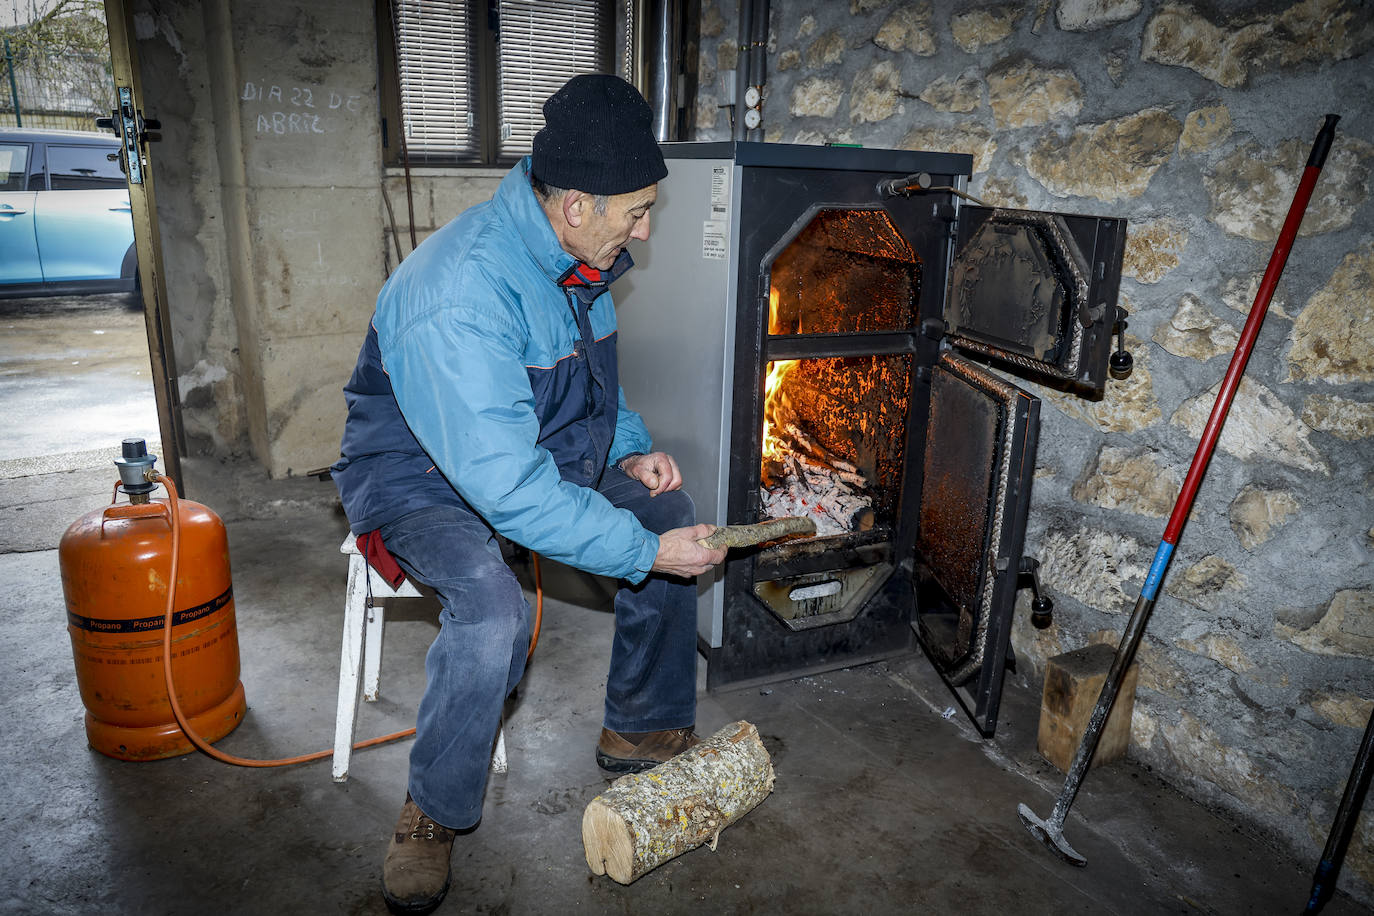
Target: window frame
{"x":486,"y":77}
{"x":107,"y":175}
{"x":23,"y":173}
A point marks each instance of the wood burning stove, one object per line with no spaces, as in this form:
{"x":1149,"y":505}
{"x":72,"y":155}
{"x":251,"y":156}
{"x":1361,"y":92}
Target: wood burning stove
{"x":809,"y":332}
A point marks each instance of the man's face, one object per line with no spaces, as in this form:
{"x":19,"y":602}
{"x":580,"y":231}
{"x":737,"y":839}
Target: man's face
{"x":597,"y":238}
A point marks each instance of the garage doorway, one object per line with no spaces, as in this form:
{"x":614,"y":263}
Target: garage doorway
{"x":88,"y":362}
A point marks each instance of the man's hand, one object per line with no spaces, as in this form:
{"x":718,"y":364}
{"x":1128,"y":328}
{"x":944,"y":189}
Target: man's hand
{"x":656,"y":470}
{"x":679,"y":554}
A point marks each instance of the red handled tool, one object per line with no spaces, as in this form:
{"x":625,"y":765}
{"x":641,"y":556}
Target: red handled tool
{"x":1050,"y":831}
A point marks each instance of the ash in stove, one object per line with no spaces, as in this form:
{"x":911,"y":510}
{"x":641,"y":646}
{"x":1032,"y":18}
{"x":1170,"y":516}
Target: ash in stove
{"x":832,"y":497}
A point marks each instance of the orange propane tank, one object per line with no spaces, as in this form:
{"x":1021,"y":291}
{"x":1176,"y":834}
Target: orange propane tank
{"x":115,"y":565}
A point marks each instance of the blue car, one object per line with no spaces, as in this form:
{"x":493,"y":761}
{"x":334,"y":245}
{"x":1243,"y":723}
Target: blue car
{"x":65,"y":222}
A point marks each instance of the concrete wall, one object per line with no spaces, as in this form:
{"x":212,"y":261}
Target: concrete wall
{"x":271,"y":214}
{"x":435,"y":196}
{"x":1194,"y":122}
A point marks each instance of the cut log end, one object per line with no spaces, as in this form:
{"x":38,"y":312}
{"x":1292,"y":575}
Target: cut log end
{"x":609,"y":843}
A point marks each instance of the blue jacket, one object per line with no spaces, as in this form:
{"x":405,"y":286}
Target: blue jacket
{"x":483,"y":379}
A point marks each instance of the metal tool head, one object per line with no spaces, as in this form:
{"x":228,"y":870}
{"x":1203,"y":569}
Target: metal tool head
{"x":1051,"y":836}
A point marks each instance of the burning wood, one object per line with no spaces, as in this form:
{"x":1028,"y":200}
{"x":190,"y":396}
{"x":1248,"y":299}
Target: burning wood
{"x":801,"y":442}
{"x":800,"y":476}
{"x":821,"y":493}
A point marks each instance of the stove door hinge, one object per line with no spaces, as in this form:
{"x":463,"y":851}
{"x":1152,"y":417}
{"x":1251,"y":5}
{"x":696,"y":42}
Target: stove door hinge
{"x":934,"y":328}
{"x":1121,"y":362}
{"x":950,"y":214}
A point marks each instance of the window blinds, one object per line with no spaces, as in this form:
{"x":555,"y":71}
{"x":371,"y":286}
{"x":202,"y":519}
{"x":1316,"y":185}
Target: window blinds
{"x":541,"y":45}
{"x":435,"y":47}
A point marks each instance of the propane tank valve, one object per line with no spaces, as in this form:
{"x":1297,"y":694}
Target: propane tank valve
{"x":135,"y":468}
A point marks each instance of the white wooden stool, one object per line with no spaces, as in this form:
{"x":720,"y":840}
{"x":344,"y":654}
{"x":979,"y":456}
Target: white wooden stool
{"x":361,"y":658}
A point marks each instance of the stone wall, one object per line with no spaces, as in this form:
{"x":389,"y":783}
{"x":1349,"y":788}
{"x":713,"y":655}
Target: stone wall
{"x":1194,"y":122}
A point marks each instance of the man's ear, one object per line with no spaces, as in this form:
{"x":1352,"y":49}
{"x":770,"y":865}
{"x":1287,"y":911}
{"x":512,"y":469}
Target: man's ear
{"x":574,"y":203}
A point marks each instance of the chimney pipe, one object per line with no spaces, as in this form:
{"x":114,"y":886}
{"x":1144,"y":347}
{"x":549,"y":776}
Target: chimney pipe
{"x":751,"y":69}
{"x":663,"y":35}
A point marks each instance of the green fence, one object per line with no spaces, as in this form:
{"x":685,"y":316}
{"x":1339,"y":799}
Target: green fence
{"x":47,"y":90}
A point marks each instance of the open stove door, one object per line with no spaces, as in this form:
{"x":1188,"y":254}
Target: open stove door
{"x":1037,"y":292}
{"x":976,"y":472}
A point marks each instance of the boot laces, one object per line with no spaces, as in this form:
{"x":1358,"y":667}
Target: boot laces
{"x":426,"y":829}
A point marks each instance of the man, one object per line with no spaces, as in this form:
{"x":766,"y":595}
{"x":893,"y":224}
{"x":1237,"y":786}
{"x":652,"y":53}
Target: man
{"x":486,"y":401}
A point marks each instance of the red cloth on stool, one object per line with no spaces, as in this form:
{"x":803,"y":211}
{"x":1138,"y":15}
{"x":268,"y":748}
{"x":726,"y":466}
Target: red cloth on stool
{"x":374,"y":551}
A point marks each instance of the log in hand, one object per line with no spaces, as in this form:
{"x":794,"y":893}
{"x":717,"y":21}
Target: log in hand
{"x":656,"y":470}
{"x":749,"y":535}
{"x":680,"y":552}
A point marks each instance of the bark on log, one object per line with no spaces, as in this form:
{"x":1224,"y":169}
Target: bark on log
{"x":749,"y":535}
{"x":646,"y":819}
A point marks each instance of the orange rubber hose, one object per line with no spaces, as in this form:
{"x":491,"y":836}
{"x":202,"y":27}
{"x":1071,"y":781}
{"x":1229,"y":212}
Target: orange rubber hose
{"x":538,"y":606}
{"x":200,"y":742}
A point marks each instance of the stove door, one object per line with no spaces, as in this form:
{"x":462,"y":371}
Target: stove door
{"x":975,"y":488}
{"x":1037,"y":291}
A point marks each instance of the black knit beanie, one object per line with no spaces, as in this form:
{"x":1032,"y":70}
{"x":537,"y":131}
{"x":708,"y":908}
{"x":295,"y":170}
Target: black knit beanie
{"x":597,"y":137}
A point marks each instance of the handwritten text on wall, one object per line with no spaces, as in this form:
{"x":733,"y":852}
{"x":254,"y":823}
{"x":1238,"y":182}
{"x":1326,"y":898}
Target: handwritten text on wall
{"x":297,"y":109}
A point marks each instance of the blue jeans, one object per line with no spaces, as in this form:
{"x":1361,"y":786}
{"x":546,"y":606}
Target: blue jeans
{"x":484,"y":632}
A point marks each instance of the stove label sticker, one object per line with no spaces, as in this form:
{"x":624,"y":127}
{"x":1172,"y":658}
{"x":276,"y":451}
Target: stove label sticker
{"x":713,"y":240}
{"x":720,"y":192}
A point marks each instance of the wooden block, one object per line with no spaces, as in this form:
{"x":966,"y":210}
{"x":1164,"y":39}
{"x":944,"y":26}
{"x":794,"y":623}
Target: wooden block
{"x":1073,"y":682}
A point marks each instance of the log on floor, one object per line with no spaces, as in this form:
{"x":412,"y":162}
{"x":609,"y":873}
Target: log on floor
{"x":646,"y":819}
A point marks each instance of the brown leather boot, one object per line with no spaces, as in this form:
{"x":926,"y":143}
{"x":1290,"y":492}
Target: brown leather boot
{"x":635,"y":752}
{"x":415,"y":872}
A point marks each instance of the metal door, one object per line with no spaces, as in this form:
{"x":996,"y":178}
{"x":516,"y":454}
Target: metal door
{"x":1037,"y":291}
{"x":977,"y":464}
{"x":128,"y":123}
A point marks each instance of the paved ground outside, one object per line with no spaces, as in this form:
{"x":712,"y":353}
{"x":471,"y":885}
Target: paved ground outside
{"x":75,"y":376}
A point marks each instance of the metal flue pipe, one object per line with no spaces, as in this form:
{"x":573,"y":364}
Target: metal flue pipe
{"x":664,"y":65}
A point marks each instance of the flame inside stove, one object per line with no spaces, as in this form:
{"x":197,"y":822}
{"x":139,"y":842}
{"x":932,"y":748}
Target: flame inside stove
{"x":773,"y":446}
{"x":800,"y":474}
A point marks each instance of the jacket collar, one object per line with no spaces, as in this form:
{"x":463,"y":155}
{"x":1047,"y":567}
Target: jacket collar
{"x":581,"y":275}
{"x":517,"y":199}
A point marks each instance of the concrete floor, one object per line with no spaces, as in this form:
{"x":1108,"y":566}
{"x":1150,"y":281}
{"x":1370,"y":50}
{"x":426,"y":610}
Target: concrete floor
{"x":56,"y":351}
{"x":881,"y":802}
